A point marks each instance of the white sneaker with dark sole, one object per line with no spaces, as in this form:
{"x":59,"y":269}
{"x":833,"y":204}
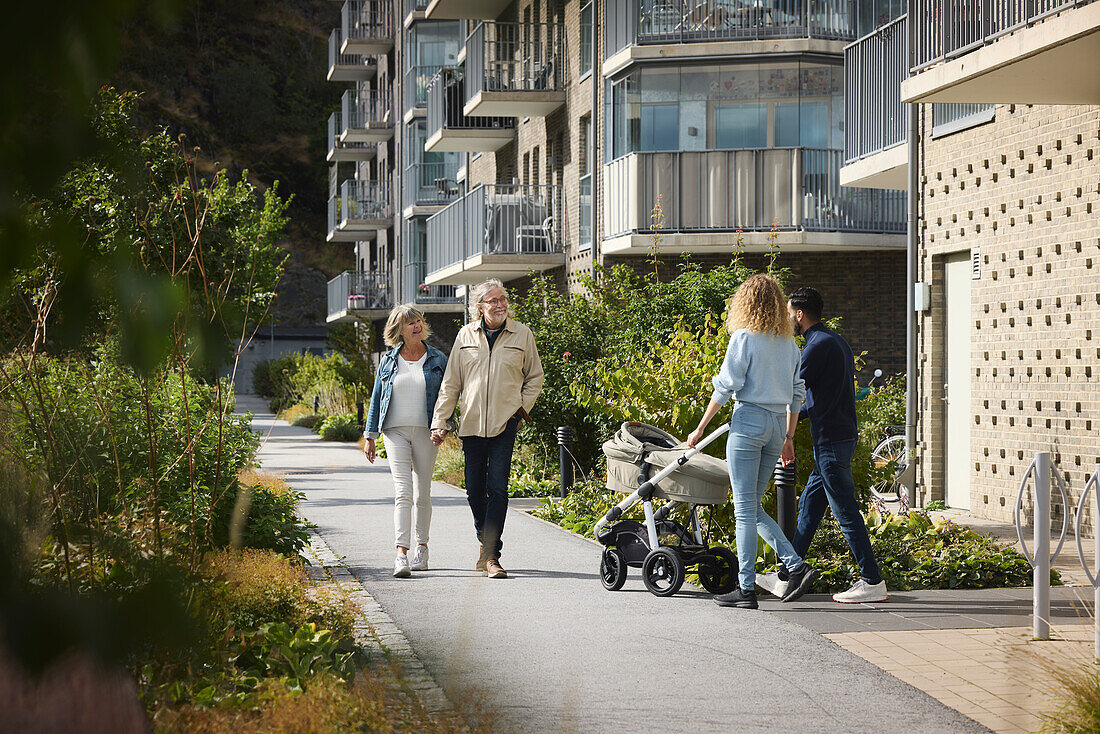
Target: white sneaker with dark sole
{"x":420,"y":558}
{"x":771,"y":583}
{"x":862,"y":592}
{"x":401,"y":568}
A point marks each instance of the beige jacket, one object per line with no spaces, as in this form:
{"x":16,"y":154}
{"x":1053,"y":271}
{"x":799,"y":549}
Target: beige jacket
{"x":491,"y":385}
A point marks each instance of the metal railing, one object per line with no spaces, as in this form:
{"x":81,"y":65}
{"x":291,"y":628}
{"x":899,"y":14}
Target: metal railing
{"x":421,"y":292}
{"x":432,"y":184}
{"x":366,"y":201}
{"x":753,"y":190}
{"x":446,"y":96}
{"x":874,"y":68}
{"x":417,"y":80}
{"x":515,"y":57}
{"x":522,"y":219}
{"x":367,"y":19}
{"x":415,"y":6}
{"x":360,"y":291}
{"x":335,"y":58}
{"x":361,"y":108}
{"x":630,"y":22}
{"x":335,"y":129}
{"x":335,"y":208}
{"x":952,"y":28}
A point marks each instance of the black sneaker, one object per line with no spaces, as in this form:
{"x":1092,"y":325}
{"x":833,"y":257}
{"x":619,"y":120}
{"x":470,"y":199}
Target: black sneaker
{"x":800,"y":581}
{"x":737,"y":598}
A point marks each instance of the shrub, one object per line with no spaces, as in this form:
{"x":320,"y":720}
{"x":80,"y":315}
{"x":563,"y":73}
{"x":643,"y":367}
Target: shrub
{"x":450,"y":462}
{"x":253,"y":587}
{"x":263,"y":383}
{"x":270,"y":510}
{"x":340,"y":428}
{"x":295,"y":412}
{"x":310,"y":421}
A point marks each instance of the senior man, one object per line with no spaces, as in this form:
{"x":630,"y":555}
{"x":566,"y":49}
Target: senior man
{"x":495,"y":373}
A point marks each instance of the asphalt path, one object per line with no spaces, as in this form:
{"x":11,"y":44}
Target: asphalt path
{"x":549,"y":649}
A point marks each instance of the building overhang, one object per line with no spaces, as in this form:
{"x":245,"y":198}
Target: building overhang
{"x":375,"y":132}
{"x":477,"y":268}
{"x":421,"y":210}
{"x":721,"y":243}
{"x":466,"y":9}
{"x":352,"y":72}
{"x":449,"y":307}
{"x":357,"y":314}
{"x":345,"y":234}
{"x":887,"y":169}
{"x":366,"y":46}
{"x":351,"y":155}
{"x":635,"y":54}
{"x":469,"y":140}
{"x":519,"y":103}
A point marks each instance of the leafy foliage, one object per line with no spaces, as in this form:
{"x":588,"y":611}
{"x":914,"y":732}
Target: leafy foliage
{"x":340,"y":428}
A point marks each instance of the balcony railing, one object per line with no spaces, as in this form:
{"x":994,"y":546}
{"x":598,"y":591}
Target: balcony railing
{"x":446,"y":96}
{"x":344,"y":67}
{"x":366,"y":201}
{"x":417,"y":80}
{"x":362,"y":109}
{"x":952,"y":28}
{"x":342,"y":151}
{"x":514,"y":57}
{"x":509,"y":219}
{"x":415,"y":6}
{"x":874,"y":68}
{"x":750,"y":190}
{"x":418,"y":290}
{"x":432,"y":184}
{"x":631,"y":22}
{"x":367,"y":25}
{"x":360,"y":291}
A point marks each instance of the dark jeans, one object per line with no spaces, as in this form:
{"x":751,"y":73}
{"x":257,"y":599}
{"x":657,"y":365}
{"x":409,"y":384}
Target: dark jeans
{"x":831,"y":485}
{"x":488,"y":464}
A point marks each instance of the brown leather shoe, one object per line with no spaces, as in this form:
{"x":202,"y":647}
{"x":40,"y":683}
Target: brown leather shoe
{"x":494,"y":570}
{"x":480,"y":565}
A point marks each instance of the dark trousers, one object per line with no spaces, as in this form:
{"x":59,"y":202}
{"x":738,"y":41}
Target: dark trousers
{"x":831,"y":486}
{"x":488,"y":465}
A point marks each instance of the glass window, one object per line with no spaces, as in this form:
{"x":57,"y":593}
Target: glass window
{"x":741,"y":126}
{"x":660,"y":126}
{"x":587,"y":38}
{"x":804,"y":123}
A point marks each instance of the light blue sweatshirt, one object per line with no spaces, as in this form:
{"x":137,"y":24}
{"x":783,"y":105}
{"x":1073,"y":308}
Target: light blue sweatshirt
{"x":762,"y":370}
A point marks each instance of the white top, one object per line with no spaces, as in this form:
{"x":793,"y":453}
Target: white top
{"x":408,"y":399}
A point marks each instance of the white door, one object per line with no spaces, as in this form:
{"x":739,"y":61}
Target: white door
{"x":956,"y":391}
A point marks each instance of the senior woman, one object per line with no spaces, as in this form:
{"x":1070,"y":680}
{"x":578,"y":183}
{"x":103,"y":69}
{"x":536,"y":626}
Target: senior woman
{"x":406,"y":386}
{"x":760,"y":371}
{"x":496,"y":374}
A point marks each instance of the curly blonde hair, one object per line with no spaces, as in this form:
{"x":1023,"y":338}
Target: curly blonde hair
{"x":759,"y":305}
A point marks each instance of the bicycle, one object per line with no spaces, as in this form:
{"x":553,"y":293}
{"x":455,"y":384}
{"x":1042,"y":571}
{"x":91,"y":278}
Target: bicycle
{"x":889,"y":454}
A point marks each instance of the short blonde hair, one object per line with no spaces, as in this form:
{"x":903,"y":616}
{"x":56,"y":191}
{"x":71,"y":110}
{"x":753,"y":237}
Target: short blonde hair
{"x":759,"y":305}
{"x":399,"y":316}
{"x":479,"y":291}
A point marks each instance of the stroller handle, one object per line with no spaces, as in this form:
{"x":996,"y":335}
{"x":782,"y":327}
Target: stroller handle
{"x":645,"y":491}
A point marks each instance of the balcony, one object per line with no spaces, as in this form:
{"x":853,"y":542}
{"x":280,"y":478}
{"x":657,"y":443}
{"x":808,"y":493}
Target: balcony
{"x":360,"y":211}
{"x":658,"y":29}
{"x":430,"y":298}
{"x":875,"y":154}
{"x":496,"y":230}
{"x":417,"y":80}
{"x":367,"y":27}
{"x":347,"y":67}
{"x":429,"y":186}
{"x":341,"y":152}
{"x":450,"y":131}
{"x":514,"y":70}
{"x":789,"y":198}
{"x":1008,"y":51}
{"x":367,"y":295}
{"x":466,"y":9}
{"x":365,"y":115}
{"x":414,"y":11}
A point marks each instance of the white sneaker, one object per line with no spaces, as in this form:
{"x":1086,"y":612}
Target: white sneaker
{"x":861,"y":592}
{"x":771,"y":583}
{"x":401,"y":566}
{"x":420,"y":558}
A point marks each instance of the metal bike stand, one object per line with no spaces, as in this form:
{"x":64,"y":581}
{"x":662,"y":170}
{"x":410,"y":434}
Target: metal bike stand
{"x":1093,"y":485}
{"x":1040,"y":468}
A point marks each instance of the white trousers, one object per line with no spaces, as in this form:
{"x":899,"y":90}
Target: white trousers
{"x":411,"y":456}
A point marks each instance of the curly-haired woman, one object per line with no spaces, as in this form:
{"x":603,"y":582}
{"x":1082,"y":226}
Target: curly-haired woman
{"x":760,"y":371}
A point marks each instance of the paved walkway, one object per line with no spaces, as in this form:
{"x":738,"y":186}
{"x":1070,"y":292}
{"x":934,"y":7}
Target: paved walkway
{"x":553,"y":651}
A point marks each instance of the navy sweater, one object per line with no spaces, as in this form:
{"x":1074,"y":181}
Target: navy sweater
{"x":828,"y":368}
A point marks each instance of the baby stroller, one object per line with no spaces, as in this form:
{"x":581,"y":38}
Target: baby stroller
{"x":646,"y":462}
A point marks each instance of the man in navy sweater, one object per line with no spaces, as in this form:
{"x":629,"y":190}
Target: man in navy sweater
{"x":828,"y":368}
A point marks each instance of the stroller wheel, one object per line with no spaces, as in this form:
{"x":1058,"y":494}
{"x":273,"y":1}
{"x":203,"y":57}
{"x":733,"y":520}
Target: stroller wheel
{"x":613,"y":569}
{"x":720,"y":575}
{"x":663,"y":572}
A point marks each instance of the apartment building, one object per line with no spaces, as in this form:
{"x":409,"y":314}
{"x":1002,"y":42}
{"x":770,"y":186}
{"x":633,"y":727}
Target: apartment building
{"x":505,"y":139}
{"x":1006,"y":141}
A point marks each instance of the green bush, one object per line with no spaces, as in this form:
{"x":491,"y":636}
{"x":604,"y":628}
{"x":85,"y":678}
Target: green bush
{"x":272,"y":520}
{"x":262,"y":382}
{"x":340,"y":428}
{"x":336,"y":383}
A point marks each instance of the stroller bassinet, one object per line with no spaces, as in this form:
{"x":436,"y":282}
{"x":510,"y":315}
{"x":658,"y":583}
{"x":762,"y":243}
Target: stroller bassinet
{"x":704,"y":480}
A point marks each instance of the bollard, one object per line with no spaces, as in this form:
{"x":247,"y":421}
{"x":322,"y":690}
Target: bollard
{"x":1041,"y":579}
{"x":785,"y":510}
{"x":565,"y":458}
{"x":359,"y":415}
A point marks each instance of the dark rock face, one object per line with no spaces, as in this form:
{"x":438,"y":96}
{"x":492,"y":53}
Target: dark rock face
{"x":302,"y":296}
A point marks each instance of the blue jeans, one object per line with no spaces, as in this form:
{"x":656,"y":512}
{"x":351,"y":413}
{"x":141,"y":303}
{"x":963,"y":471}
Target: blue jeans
{"x":488,"y":465}
{"x":754,"y":444}
{"x":831,"y":485}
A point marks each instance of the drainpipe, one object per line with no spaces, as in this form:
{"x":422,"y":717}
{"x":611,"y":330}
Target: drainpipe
{"x":597,"y":129}
{"x":911,"y":274}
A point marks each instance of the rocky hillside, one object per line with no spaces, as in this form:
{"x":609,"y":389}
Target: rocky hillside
{"x":244,"y":80}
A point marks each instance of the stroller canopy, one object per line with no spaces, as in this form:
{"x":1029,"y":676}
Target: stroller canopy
{"x":704,"y":480}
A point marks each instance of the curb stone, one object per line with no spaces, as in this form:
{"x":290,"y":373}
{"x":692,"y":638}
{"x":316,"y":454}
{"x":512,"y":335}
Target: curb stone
{"x":375,"y":630}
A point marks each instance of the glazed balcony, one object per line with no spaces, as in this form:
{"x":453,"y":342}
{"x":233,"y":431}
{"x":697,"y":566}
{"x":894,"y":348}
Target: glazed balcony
{"x":414,"y":11}
{"x":875,"y":154}
{"x":499,"y":230}
{"x":451,"y":131}
{"x":430,"y":298}
{"x":360,"y":211}
{"x":417,"y":80}
{"x":466,"y":9}
{"x":347,"y":67}
{"x":1004,"y":51}
{"x":367,"y":27}
{"x":514,"y":70}
{"x":339,"y":151}
{"x":789,"y":198}
{"x":429,"y":186}
{"x":367,"y":295}
{"x":365,"y":115}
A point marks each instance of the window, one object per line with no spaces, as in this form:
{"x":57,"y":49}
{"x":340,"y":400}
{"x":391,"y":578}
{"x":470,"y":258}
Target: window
{"x":660,"y":127}
{"x":584,"y":234}
{"x":951,"y":118}
{"x":741,"y":126}
{"x":587,"y":38}
{"x":804,"y":123}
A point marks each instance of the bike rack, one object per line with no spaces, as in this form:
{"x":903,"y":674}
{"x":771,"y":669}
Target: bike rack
{"x":1092,"y":485}
{"x":1040,"y":467}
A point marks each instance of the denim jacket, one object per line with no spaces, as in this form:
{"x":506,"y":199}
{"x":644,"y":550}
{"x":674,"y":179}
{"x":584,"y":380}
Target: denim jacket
{"x":434,"y":367}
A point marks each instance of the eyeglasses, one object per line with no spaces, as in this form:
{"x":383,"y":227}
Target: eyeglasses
{"x":496,"y":301}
